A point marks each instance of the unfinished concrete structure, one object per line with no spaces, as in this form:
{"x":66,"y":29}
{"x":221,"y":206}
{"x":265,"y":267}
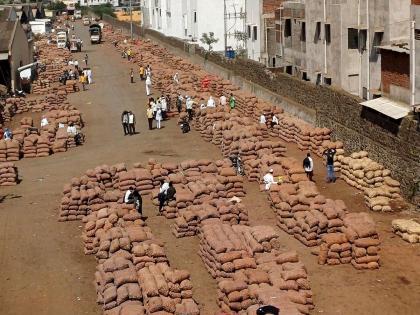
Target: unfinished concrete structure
{"x":335,"y":42}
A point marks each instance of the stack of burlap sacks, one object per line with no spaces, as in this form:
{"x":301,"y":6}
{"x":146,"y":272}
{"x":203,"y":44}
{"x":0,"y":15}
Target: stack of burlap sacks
{"x":372,"y":178}
{"x":409,"y":230}
{"x":8,"y":174}
{"x":190,"y":221}
{"x":246,"y":263}
{"x":9,"y":150}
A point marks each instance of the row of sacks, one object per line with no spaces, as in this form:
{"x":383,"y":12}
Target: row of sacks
{"x":269,"y":292}
{"x":198,"y":182}
{"x":359,"y":171}
{"x":133,"y":268}
{"x":246,"y":261}
{"x":8,"y":174}
{"x":191,"y":219}
{"x":315,"y":221}
{"x":15,"y":105}
{"x":408,"y":230}
{"x":289,"y":129}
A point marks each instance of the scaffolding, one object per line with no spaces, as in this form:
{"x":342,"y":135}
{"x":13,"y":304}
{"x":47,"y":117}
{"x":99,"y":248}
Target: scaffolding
{"x":235,"y":23}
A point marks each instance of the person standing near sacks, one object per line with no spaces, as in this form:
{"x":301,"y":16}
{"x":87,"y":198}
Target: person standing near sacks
{"x":141,"y":73}
{"x":308,"y":166}
{"x":164,"y":106}
{"x":232,"y":101}
{"x":164,"y":186}
{"x":329,"y":154}
{"x":189,"y":105}
{"x":149,"y":115}
{"x":124,"y":122}
{"x":179,"y":100}
{"x":148,"y":85}
{"x":223,"y":101}
{"x":158,"y":117}
{"x":131,"y":123}
{"x":138,"y":202}
{"x":86,"y":60}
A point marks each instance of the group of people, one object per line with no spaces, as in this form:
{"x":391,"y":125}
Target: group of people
{"x":128,"y":120}
{"x":308,"y":166}
{"x":167,"y":193}
{"x":157,"y":110}
{"x":274,"y":120}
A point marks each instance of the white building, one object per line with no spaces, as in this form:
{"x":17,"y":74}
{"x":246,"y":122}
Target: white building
{"x":189,"y":19}
{"x":254,"y":30}
{"x":90,"y":3}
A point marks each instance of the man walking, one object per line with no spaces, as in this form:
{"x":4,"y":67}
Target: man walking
{"x":124,"y":121}
{"x":86,"y":60}
{"x":132,"y":75}
{"x":308,"y":166}
{"x":329,"y":154}
{"x":149,"y":115}
{"x":148,"y":85}
{"x":131,"y":123}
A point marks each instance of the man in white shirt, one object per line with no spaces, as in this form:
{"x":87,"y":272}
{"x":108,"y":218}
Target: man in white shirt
{"x":223,"y":100}
{"x":162,"y":194}
{"x":44,"y":122}
{"x":148,"y":85}
{"x":71,"y":129}
{"x":269,"y":179}
{"x":189,"y":105}
{"x":211,"y":103}
{"x":128,"y":196}
{"x":308,"y":166}
{"x":131,"y":123}
{"x":164,"y":106}
{"x":274,"y":121}
{"x":262,"y":119}
{"x":176,"y":78}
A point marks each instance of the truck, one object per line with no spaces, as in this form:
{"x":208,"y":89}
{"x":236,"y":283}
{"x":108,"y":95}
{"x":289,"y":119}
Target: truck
{"x":40,"y":26}
{"x":75,"y":45}
{"x":95,"y":32}
{"x":61,"y":39}
{"x":78,"y":14}
{"x":86,"y":21}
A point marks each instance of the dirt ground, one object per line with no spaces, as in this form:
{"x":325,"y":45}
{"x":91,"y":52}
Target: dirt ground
{"x":42,"y":265}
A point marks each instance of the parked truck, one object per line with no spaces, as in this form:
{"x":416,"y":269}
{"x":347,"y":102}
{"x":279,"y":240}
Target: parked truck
{"x":95,"y":32}
{"x":61,"y":39}
{"x":78,"y":14}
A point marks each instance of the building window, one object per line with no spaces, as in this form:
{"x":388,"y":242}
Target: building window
{"x":195,"y":16}
{"x":249,"y":31}
{"x":289,"y":70}
{"x":353,"y":38}
{"x":328,"y":33}
{"x":305,"y":76}
{"x":363,"y":39}
{"x":327,"y":81}
{"x":377,"y":41}
{"x":317,"y":32}
{"x":255,"y":32}
{"x":303,"y":32}
{"x":287,"y":28}
{"x":417,"y":34}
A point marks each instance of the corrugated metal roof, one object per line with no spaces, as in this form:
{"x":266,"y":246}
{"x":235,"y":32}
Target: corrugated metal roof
{"x":388,"y":107}
{"x":6,"y":31}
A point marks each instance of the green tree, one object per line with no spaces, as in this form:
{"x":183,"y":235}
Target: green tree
{"x":57,"y":6}
{"x":209,"y":40}
{"x":102,"y":9}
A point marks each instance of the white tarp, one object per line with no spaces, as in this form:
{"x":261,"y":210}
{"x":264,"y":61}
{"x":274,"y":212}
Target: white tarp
{"x":388,"y":107}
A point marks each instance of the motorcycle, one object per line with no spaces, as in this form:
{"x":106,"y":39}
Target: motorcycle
{"x":268,"y":309}
{"x":237,"y":164}
{"x":19,"y":93}
{"x":185,"y":127}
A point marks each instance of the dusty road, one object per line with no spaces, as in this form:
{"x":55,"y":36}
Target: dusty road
{"x":42,"y":266}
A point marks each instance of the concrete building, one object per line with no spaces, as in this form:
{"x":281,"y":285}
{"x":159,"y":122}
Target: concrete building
{"x":189,"y":19}
{"x":336,"y":42}
{"x":90,"y":3}
{"x":415,"y":54}
{"x":16,"y":51}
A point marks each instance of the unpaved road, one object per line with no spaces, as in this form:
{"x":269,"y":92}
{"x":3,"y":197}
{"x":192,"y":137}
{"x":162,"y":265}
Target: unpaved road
{"x":42,"y":267}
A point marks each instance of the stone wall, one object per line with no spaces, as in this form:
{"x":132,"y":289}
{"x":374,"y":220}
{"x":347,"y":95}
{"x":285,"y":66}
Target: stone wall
{"x":397,"y":148}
